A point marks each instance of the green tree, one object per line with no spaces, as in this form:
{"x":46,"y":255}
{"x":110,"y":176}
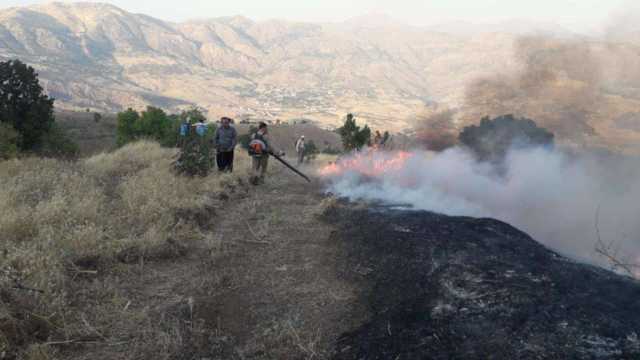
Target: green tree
{"x":56,"y":143}
{"x":193,"y":115}
{"x":154,"y":123}
{"x":196,"y":115}
{"x":23,"y":104}
{"x":354,"y":137}
{"x":126,"y":130}
{"x":172,"y":135}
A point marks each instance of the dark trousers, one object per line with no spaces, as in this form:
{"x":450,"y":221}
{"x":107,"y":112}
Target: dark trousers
{"x":225,"y":161}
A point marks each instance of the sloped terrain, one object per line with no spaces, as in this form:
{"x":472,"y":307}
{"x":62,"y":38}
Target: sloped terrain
{"x":101,"y":57}
{"x":94,"y":133}
{"x":213,"y":268}
{"x":444,"y":287}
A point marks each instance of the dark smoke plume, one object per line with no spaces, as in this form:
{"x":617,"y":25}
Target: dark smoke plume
{"x":559,"y":86}
{"x":494,"y":138}
{"x":436,"y":131}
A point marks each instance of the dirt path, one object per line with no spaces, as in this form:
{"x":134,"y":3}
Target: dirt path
{"x":265,"y":285}
{"x":284,"y":296}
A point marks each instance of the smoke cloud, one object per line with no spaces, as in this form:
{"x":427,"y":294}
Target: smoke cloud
{"x":559,"y":85}
{"x":549,"y":194}
{"x":587,"y":92}
{"x":436,"y":131}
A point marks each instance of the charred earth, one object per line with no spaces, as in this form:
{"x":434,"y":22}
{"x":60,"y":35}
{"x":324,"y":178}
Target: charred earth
{"x":441,"y":287}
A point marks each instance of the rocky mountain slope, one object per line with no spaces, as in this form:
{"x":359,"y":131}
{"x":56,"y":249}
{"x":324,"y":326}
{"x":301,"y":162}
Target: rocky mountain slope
{"x":98,"y":56}
{"x":101,"y":57}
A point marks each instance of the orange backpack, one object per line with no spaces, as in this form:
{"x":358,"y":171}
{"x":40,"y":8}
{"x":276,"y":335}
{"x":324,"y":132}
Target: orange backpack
{"x":257,"y":146}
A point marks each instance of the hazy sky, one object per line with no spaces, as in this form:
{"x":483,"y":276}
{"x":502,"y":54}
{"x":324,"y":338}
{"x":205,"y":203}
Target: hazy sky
{"x":574,"y":14}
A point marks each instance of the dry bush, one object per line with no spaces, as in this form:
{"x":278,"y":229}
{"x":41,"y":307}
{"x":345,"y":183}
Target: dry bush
{"x":59,"y":219}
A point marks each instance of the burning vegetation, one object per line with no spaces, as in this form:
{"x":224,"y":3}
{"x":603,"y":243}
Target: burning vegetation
{"x":509,"y":169}
{"x":370,"y":163}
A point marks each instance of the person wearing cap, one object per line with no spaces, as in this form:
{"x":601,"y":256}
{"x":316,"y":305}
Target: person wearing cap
{"x":300,"y":148}
{"x":226,"y":139}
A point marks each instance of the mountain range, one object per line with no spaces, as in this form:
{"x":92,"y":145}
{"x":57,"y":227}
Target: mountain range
{"x":100,"y":57}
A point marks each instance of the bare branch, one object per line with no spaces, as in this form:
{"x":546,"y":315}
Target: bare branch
{"x":610,"y":251}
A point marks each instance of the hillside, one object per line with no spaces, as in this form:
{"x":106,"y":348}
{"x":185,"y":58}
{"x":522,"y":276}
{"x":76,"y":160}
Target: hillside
{"x":98,"y":56}
{"x":115,"y":257}
{"x":441,"y":287}
{"x":101,"y":57}
{"x":92,"y":134}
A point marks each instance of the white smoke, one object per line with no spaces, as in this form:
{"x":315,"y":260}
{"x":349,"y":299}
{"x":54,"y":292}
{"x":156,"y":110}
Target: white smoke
{"x":549,"y":194}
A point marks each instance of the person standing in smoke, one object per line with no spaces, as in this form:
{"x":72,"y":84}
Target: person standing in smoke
{"x":377,"y":140}
{"x":226,"y":139}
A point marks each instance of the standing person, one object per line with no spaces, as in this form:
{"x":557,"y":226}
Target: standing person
{"x":226,"y":139}
{"x":377,"y":140}
{"x":300,"y":148}
{"x":259,"y":149}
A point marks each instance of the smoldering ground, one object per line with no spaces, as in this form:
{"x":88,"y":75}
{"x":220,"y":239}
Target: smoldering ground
{"x":551,"y":194}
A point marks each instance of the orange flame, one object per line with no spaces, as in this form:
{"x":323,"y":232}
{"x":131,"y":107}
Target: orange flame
{"x":370,"y":163}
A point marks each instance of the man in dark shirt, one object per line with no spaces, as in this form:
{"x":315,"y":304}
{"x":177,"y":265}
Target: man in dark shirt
{"x":226,"y":140}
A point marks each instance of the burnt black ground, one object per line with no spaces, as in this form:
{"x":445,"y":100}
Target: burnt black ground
{"x":444,"y":287}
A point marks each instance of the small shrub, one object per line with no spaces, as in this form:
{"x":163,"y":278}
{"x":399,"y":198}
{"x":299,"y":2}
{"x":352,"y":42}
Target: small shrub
{"x":56,"y":143}
{"x":310,"y":150}
{"x":126,"y":130}
{"x":196,"y":156}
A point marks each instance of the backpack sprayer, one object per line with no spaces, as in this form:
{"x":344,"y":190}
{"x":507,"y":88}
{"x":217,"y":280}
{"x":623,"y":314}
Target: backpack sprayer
{"x":258,"y":146}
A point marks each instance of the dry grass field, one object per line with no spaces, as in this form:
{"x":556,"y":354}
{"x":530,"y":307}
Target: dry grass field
{"x":67,"y":227}
{"x":116,"y":257}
